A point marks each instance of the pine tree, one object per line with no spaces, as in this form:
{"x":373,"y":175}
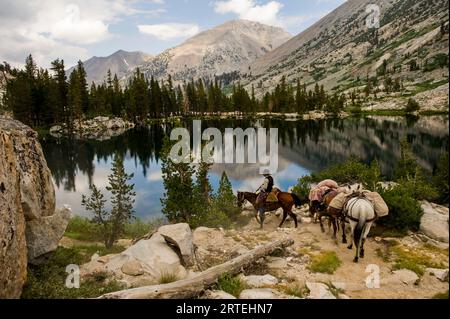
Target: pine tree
{"x":203,"y":186}
{"x":225,"y":199}
{"x":122,"y":199}
{"x":60,"y":108}
{"x":177,"y":202}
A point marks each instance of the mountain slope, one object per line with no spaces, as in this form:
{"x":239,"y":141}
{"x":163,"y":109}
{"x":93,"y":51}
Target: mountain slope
{"x":223,"y":49}
{"x":340,"y":50}
{"x":119,"y":63}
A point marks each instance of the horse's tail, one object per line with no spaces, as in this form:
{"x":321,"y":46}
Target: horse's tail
{"x":359,"y":231}
{"x":297,"y":200}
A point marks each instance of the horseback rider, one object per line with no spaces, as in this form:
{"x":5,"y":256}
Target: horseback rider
{"x":263,"y":191}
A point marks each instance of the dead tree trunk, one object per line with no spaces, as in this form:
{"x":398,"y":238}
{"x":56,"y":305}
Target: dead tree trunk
{"x":192,"y":287}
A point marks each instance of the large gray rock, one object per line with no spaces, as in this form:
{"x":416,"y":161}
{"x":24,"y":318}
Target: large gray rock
{"x":401,"y":277}
{"x":143,"y":263}
{"x":44,"y":234}
{"x":13,"y":251}
{"x":259,"y":281}
{"x":180,"y":235}
{"x":441,"y":274}
{"x":27,"y":196}
{"x":434,"y":222}
{"x":37,"y":194}
{"x":319,"y":291}
{"x":100,"y":128}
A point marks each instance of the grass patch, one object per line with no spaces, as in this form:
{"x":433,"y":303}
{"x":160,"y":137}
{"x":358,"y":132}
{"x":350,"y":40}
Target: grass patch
{"x":47,"y":280}
{"x":167,"y":278}
{"x":428,"y":85}
{"x":326,"y":262}
{"x":382,"y":231}
{"x":296,"y":291}
{"x":415,"y":260}
{"x":81,"y":228}
{"x":232,"y":285}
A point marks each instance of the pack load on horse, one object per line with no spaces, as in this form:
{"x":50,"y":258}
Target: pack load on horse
{"x":379,"y":205}
{"x":360,"y":208}
{"x":317,"y":197}
{"x":269,"y":198}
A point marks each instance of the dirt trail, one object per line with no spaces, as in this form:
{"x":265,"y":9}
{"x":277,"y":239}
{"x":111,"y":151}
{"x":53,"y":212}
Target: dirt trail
{"x":293,"y":267}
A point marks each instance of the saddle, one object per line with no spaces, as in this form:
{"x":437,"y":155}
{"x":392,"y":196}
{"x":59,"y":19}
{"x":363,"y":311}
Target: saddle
{"x":272,"y":197}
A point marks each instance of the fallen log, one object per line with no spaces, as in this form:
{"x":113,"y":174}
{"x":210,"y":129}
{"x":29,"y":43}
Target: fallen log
{"x":192,"y":287}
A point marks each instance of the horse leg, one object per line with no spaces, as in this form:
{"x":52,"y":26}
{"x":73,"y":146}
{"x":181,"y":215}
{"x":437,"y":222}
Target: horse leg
{"x":262,"y":215}
{"x":294,"y":217}
{"x":334,"y":222}
{"x":285,"y":214}
{"x":361,"y":252}
{"x":344,"y":235}
{"x":352,"y":228}
{"x":320,"y":222}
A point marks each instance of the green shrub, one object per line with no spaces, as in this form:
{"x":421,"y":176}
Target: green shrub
{"x":350,"y":171}
{"x":232,"y":285}
{"x":405,"y":211}
{"x":302,"y":188}
{"x":412,"y":106}
{"x":213,"y":217}
{"x":326,"y":262}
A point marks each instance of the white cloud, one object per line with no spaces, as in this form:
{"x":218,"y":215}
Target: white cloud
{"x":251,"y":10}
{"x":169,"y":31}
{"x":49,"y":29}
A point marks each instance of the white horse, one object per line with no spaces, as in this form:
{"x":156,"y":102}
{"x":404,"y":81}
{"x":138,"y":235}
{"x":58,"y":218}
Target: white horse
{"x":361,"y":215}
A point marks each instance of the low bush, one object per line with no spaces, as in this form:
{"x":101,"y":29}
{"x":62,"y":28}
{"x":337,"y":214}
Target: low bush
{"x":412,"y":106}
{"x":405,"y":211}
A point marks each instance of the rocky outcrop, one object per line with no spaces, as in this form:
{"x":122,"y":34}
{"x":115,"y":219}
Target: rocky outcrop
{"x":180,"y":235}
{"x":319,"y":291}
{"x":29,"y":225}
{"x":434,"y":222}
{"x":100,"y":128}
{"x":259,"y":281}
{"x":146,"y":262}
{"x":44,"y":234}
{"x":13,"y":256}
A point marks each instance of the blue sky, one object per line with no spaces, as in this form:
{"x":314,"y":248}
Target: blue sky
{"x":79,"y":29}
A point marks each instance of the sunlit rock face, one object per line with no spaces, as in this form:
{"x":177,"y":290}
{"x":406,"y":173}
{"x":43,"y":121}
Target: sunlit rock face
{"x":27,"y":199}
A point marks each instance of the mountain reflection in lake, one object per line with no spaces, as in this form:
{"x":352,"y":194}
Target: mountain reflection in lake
{"x":304,"y":147}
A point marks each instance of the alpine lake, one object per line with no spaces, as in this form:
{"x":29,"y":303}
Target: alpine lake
{"x":304,"y":146}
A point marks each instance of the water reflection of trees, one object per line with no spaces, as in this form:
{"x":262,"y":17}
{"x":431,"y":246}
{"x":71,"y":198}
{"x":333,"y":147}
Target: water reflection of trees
{"x":311,"y":144}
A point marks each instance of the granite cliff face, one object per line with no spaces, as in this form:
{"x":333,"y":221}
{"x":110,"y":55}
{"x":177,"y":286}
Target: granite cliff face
{"x":29,"y":225}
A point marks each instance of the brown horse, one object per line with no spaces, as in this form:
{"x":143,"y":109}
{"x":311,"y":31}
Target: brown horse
{"x":285,"y":201}
{"x":323,"y":210}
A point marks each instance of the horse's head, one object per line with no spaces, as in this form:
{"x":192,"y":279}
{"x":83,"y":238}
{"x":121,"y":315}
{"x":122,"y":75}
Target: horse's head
{"x":314,"y":207}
